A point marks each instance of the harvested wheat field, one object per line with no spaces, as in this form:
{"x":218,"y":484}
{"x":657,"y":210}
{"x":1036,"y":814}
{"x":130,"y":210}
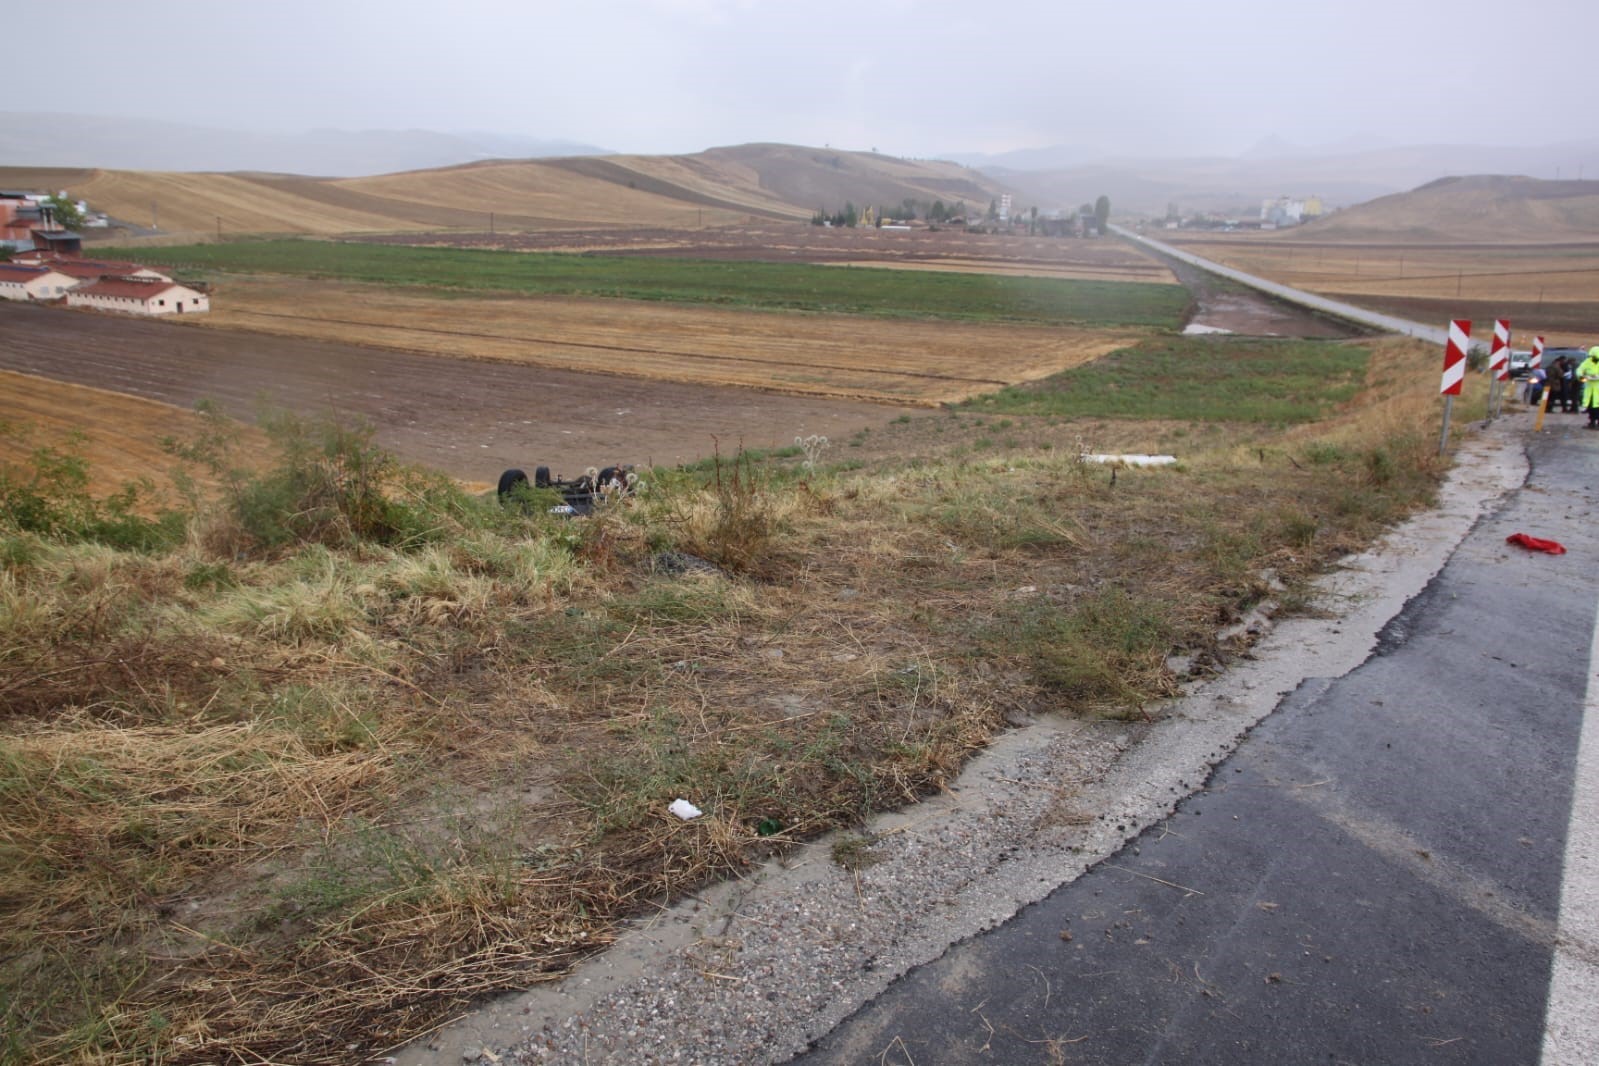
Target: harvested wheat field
{"x":913,"y":363}
{"x":117,"y":435}
{"x":467,"y":418}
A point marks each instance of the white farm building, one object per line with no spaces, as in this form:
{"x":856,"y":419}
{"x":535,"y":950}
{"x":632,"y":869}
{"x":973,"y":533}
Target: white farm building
{"x":19,"y":282}
{"x":139,"y":296}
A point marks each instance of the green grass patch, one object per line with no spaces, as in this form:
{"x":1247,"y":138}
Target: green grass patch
{"x":1103,"y":651}
{"x":1217,"y":379}
{"x":758,"y":286}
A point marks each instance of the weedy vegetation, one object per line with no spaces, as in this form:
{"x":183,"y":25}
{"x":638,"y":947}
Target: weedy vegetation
{"x":308,"y":763}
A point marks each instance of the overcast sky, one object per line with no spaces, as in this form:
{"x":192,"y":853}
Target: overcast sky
{"x":908,"y":77}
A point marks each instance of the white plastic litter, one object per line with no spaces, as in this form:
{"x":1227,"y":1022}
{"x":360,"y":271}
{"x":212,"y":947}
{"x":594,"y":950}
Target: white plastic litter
{"x":684,"y":809}
{"x":1132,"y":460}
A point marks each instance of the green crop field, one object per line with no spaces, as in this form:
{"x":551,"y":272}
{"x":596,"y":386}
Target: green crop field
{"x":1212,"y":379}
{"x":753,"y":285}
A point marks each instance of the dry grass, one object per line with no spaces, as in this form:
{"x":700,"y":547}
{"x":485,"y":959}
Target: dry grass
{"x":925,"y":363}
{"x":275,"y":807}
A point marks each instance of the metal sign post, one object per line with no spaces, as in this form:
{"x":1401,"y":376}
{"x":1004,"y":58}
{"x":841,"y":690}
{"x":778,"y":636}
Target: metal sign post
{"x":1498,"y":365}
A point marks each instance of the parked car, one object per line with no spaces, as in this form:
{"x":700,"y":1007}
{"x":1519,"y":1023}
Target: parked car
{"x":1521,"y":362}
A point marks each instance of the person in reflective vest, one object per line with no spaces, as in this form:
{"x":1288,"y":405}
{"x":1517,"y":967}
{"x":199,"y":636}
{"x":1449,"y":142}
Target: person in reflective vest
{"x":1588,"y":374}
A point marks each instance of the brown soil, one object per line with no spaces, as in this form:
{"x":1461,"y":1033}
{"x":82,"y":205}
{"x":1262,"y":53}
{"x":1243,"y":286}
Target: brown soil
{"x":470,"y":419}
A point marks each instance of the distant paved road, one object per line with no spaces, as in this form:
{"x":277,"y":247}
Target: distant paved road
{"x":1387,"y":323}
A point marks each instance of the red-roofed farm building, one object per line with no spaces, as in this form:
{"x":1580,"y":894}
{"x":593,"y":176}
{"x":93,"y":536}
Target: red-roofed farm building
{"x":20,"y":282}
{"x":139,"y":296}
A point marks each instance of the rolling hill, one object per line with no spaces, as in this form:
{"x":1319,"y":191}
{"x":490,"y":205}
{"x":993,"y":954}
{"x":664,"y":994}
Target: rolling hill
{"x":1484,"y":208}
{"x":716,"y":187}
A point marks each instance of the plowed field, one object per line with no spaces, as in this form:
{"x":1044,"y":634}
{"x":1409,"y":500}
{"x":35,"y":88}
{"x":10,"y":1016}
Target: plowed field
{"x":916,"y":363}
{"x":468,"y":418}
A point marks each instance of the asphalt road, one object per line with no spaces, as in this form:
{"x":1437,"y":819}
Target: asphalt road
{"x":1376,"y":875}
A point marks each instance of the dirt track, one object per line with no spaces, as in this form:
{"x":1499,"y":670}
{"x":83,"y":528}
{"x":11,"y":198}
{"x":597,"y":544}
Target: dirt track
{"x":469,"y":419}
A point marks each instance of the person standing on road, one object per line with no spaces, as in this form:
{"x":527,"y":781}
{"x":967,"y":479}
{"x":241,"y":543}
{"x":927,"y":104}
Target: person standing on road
{"x":1573,"y":400}
{"x":1588,"y":374}
{"x":1562,"y":385}
{"x":1557,"y":381}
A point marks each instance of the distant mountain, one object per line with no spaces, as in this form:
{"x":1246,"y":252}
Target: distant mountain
{"x":31,"y":139}
{"x":1276,"y":167}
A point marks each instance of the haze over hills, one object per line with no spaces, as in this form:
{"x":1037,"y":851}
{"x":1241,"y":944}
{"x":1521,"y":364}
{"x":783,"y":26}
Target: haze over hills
{"x":1061,"y":177}
{"x":30,"y":139}
{"x":1275,"y":168}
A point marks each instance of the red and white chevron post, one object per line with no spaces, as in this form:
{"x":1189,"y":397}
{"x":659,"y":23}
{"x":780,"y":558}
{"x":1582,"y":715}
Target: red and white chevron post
{"x":1537,"y":355}
{"x":1499,"y":355}
{"x":1454,"y":372}
{"x":1455,"y":356}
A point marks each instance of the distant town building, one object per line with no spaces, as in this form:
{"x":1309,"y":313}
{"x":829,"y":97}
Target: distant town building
{"x":1286,"y":211}
{"x":19,"y":215}
{"x":59,"y":241}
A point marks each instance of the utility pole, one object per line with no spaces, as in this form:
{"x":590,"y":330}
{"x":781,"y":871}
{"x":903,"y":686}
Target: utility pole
{"x":155,"y":221}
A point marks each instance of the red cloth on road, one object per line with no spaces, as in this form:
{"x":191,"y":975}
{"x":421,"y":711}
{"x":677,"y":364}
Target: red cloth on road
{"x":1537,"y":544}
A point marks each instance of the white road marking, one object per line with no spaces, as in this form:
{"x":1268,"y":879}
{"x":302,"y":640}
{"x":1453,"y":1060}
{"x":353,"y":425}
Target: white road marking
{"x":1571,"y":1023}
